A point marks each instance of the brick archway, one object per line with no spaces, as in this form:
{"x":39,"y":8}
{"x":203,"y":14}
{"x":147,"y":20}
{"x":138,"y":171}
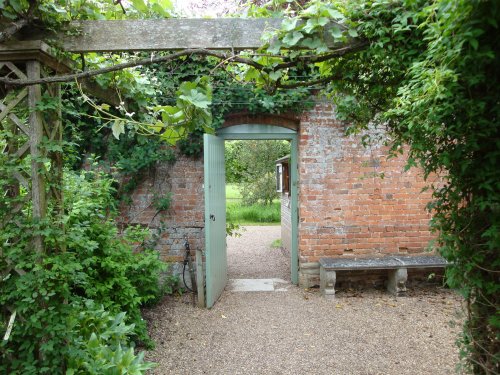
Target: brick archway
{"x":285,"y":120}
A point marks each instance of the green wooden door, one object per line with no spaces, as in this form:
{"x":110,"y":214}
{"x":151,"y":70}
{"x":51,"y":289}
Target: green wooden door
{"x":215,"y":218}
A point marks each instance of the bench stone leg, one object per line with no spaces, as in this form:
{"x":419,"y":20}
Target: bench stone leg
{"x":327,"y":280}
{"x":397,"y":281}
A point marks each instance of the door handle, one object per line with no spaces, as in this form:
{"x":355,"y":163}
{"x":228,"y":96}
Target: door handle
{"x":212,"y":217}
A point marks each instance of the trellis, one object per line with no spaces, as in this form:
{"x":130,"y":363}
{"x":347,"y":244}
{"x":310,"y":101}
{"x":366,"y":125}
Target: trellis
{"x":31,"y":138}
{"x":43,"y":128}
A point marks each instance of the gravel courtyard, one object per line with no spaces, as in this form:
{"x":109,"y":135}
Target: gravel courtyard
{"x":295,"y":331}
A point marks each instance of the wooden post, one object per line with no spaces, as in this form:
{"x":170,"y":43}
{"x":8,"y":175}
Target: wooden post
{"x":200,"y":278}
{"x":38,"y":193}
{"x":54,"y":132}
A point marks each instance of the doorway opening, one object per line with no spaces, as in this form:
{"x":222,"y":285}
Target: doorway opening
{"x":216,"y":274}
{"x":257,"y":194}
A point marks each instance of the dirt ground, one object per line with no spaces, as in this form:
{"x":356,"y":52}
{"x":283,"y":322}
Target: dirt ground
{"x":296,"y":331}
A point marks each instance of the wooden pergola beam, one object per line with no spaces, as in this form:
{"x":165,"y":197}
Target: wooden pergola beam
{"x":166,"y":34}
{"x":28,"y":50}
{"x":163,"y":34}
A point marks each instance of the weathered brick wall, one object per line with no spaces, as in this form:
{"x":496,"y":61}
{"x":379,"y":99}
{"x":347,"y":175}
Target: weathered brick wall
{"x":345,"y":209}
{"x":286,"y":223}
{"x":184,"y":180}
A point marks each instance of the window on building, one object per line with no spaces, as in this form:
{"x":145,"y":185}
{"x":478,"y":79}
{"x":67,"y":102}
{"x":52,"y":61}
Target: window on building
{"x":279,"y":178}
{"x":283,"y":175}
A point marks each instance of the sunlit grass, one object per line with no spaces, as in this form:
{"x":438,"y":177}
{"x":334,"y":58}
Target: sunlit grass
{"x":250,"y":215}
{"x":253,"y":215}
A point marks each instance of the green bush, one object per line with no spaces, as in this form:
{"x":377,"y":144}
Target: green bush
{"x":84,"y":259}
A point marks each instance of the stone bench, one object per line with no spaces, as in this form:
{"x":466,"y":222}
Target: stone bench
{"x":397,"y":266}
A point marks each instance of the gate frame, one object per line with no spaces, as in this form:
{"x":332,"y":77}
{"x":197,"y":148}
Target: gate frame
{"x":275,"y":132}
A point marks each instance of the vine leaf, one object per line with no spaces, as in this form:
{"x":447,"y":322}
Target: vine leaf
{"x":275,"y":75}
{"x":140,"y":5}
{"x":197,"y":99}
{"x":336,"y":33}
{"x":293,"y":38}
{"x":118,"y":128}
{"x":289,"y":24}
{"x":172,"y":135}
{"x":353,"y":33}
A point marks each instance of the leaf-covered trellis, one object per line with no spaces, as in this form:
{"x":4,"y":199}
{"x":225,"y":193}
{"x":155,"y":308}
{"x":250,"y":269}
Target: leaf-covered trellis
{"x":39,"y":138}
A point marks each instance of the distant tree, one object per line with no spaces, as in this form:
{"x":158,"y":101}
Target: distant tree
{"x":234,"y":168}
{"x":258,"y":161}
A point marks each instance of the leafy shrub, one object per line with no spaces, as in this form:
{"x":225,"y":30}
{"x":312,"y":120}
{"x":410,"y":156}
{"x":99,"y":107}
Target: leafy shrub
{"x":255,"y":163}
{"x":260,"y":189}
{"x":100,"y":345}
{"x":83,"y":260}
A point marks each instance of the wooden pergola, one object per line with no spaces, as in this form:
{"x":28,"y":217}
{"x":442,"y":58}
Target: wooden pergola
{"x":29,"y":57}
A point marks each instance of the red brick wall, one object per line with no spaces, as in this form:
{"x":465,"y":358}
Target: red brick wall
{"x":184,"y":180}
{"x":345,"y":209}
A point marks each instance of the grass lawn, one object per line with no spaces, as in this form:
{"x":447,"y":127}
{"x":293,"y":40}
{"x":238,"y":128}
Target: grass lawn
{"x":250,"y":215}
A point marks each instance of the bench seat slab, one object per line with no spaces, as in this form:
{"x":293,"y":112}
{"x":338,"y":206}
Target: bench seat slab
{"x":397,"y":267}
{"x":389,"y":262}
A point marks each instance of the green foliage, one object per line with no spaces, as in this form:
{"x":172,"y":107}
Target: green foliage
{"x":233,"y":229}
{"x":233,"y":192}
{"x":428,"y":74}
{"x":84,"y":259}
{"x":234,"y":169}
{"x":228,"y":96}
{"x":53,"y":13}
{"x":261,"y":189}
{"x":191,"y":112}
{"x":162,"y":202}
{"x":100,"y":345}
{"x":277,"y":244}
{"x":133,"y":155}
{"x":129,"y":157}
{"x":256,"y":159}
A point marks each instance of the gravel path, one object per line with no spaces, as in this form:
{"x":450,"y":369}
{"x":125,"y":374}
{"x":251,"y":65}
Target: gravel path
{"x":251,"y":256}
{"x":298,"y":332}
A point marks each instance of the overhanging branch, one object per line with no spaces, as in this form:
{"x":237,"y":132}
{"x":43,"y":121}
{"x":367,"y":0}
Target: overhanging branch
{"x":328,"y":56}
{"x":227,"y":57}
{"x":295,"y":85}
{"x":17,"y":25}
{"x":130,"y":64}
